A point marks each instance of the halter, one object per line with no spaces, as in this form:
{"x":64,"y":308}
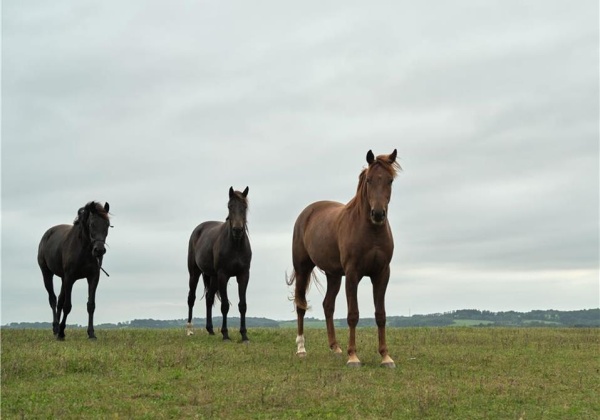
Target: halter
{"x":93,"y":242}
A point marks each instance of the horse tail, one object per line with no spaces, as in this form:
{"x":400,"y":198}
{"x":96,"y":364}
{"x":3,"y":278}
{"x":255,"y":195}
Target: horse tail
{"x":299,"y":299}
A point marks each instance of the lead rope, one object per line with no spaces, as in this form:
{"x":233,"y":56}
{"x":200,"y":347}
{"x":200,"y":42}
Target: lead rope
{"x":107,"y":275}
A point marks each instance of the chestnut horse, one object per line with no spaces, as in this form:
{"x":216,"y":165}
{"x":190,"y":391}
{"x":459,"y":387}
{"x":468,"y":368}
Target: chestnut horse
{"x":72,"y":252}
{"x":219,"y":251}
{"x":352,"y":240}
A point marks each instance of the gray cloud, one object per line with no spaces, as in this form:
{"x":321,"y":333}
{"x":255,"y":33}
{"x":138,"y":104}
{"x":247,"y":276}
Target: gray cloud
{"x":159,"y":109}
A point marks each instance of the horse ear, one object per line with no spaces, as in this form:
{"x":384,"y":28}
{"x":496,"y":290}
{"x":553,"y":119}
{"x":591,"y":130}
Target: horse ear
{"x":231,"y":192}
{"x":106,"y":207}
{"x":392,"y":157}
{"x":370,"y":157}
{"x":245,"y":193}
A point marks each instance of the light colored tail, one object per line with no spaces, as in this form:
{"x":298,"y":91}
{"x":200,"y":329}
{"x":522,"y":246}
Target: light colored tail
{"x":300,"y":302}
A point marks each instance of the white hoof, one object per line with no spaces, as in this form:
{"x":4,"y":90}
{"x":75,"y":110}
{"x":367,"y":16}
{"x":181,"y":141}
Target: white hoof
{"x":300,"y":350}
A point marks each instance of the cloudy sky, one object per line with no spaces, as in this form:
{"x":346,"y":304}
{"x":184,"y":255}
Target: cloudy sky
{"x":159,"y":107}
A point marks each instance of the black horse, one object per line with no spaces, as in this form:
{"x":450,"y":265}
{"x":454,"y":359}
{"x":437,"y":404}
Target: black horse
{"x":219,"y":251}
{"x":73,"y":252}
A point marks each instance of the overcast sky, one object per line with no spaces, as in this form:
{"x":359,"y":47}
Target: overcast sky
{"x":159,"y":107}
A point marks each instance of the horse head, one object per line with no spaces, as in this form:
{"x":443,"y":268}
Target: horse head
{"x":379,"y":177}
{"x":238,"y":206}
{"x":94,"y":222}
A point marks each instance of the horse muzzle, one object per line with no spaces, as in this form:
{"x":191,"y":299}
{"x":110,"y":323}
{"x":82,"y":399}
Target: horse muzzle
{"x":378,"y":216}
{"x":98,"y":250}
{"x":237,"y":232}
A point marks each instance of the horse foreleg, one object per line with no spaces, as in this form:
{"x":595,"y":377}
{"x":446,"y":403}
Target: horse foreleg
{"x":222,"y":281}
{"x":379,"y":287}
{"x":64,"y":303}
{"x":333,"y":288}
{"x":242,"y":286}
{"x":353,"y":314}
{"x":91,"y":304}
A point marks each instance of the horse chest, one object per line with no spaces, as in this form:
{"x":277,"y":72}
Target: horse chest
{"x":232,"y":263}
{"x":366,"y":256}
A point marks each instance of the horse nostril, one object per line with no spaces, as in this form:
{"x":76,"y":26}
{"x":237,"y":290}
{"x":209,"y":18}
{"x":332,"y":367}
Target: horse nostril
{"x":378,"y":215}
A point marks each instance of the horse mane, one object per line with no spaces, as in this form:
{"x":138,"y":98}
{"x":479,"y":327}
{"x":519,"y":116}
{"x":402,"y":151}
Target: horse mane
{"x":94,"y":207}
{"x":382,"y":161}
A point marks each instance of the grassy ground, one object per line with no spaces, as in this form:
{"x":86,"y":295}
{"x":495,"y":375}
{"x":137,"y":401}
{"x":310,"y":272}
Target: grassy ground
{"x":462,"y":373}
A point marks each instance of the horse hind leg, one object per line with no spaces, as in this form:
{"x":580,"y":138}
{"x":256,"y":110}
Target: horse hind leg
{"x":333,"y":288}
{"x":49,"y":285}
{"x":302,"y":280}
{"x":210,"y":290}
{"x":64,"y":305}
{"x":194,"y":279}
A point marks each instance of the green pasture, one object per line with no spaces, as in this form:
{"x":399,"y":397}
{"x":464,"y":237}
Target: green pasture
{"x":442,"y":373}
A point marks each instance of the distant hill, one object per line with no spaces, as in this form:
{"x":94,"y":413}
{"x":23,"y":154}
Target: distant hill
{"x":463,"y":317}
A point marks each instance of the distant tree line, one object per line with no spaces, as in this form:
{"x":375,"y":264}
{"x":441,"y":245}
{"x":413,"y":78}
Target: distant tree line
{"x":475,"y":317}
{"x":462,"y":317}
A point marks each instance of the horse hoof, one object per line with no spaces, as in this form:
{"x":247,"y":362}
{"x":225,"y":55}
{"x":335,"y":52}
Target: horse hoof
{"x":227,"y":339}
{"x":387,"y":362}
{"x":301,"y":354}
{"x":354,"y":364}
{"x":337,"y":352}
{"x":188,"y":333}
{"x":59,"y":338}
{"x":92,"y":338}
{"x":246,"y":342}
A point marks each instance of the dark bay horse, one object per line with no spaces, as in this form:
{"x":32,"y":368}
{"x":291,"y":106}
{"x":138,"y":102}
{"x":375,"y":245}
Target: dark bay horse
{"x":73,"y":252}
{"x":352,"y":240}
{"x":219,"y":251}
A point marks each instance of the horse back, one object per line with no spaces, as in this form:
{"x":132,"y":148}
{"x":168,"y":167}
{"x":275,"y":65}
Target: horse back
{"x":50,"y":249}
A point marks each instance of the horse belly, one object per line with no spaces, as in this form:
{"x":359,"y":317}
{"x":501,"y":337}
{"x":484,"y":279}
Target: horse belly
{"x":320,"y":240}
{"x":51,"y":249}
{"x":202,"y":240}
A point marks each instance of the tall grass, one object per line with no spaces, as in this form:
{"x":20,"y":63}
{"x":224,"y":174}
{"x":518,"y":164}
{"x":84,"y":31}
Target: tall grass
{"x":460,"y":373}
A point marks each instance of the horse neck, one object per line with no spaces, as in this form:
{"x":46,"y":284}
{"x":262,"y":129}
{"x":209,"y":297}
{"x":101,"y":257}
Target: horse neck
{"x":358,"y":207}
{"x":79,"y":236}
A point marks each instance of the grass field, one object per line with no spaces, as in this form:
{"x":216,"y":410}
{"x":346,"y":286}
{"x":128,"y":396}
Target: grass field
{"x":462,"y":373}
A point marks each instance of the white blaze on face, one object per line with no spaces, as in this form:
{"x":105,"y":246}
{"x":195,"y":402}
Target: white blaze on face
{"x":300,"y":344}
